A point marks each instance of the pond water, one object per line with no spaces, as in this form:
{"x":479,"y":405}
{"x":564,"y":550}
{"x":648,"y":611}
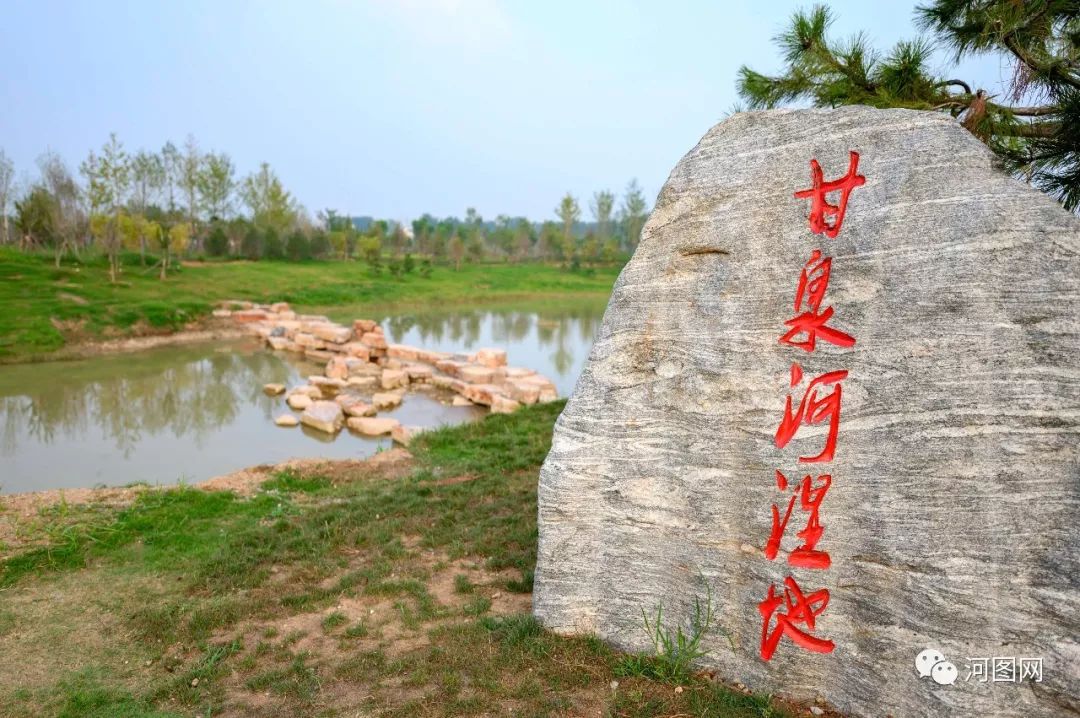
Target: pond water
{"x":190,"y":413}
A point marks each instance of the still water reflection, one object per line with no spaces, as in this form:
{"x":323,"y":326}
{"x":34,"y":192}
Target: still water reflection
{"x":191,"y":413}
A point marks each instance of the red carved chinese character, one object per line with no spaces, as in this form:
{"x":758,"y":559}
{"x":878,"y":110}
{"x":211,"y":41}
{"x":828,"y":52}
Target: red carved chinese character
{"x":810,"y":497}
{"x":821,"y":210}
{"x":799,"y":609}
{"x":814,"y":408}
{"x":813,"y":282}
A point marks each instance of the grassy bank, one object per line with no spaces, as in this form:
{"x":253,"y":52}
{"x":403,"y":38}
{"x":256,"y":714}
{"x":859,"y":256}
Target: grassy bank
{"x":401,"y":589}
{"x":46,"y":308}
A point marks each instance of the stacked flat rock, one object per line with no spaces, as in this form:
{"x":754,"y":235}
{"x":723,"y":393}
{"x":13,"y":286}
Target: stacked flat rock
{"x":951,"y":520}
{"x":364,"y":373}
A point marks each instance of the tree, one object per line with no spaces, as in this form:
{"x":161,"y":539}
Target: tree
{"x":108,"y":179}
{"x":524,"y":238}
{"x":457,"y":251}
{"x":502,"y":238}
{"x":66,"y":214}
{"x":216,"y":184}
{"x":444,"y":230}
{"x":423,"y":229}
{"x":297,"y":247}
{"x":569,"y":212}
{"x":371,"y":251}
{"x":251,"y":246}
{"x":398,"y":240}
{"x":128,"y":228}
{"x":217,"y":242}
{"x":602,"y":206}
{"x":273,"y":247}
{"x":551,"y":240}
{"x":590,"y":248}
{"x":1041,"y":40}
{"x":34,"y":217}
{"x":633,"y":212}
{"x":320,"y":245}
{"x":271,"y":206}
{"x":147,"y":179}
{"x":188,"y":181}
{"x":610,"y":251}
{"x":171,"y":166}
{"x":236,"y":228}
{"x":7,"y":175}
{"x":173,"y":239}
{"x":475,"y":248}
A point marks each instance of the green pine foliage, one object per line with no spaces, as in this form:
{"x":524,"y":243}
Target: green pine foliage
{"x":1034,"y":126}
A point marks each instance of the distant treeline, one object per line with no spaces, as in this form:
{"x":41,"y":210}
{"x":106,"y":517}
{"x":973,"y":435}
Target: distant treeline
{"x":182,"y":201}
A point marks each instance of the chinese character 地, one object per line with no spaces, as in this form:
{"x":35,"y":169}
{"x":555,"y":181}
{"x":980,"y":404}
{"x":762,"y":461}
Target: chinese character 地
{"x":798,"y":609}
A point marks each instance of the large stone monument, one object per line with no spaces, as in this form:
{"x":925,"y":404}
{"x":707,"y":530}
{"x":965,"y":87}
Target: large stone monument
{"x":837,"y":389}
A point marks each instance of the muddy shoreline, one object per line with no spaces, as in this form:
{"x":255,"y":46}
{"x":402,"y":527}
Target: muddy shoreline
{"x":24,"y":515}
{"x":208,"y":331}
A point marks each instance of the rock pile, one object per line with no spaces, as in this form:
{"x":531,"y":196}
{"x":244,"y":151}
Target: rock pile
{"x":364,"y":374}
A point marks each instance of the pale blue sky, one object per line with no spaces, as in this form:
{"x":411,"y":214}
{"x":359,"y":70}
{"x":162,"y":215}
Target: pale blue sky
{"x":394,"y":108}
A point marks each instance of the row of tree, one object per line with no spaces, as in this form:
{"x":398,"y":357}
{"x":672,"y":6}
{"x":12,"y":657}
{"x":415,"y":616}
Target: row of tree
{"x":165,"y":201}
{"x":182,"y":200}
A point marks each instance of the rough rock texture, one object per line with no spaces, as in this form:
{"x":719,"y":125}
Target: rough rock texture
{"x":951,"y":520}
{"x":491,"y":357}
{"x":299,"y":401}
{"x":324,"y":416}
{"x":394,"y":378}
{"x":502,"y":405}
{"x":385,"y":399}
{"x":373,"y":426}
{"x":404,"y":434}
{"x":337,"y":368}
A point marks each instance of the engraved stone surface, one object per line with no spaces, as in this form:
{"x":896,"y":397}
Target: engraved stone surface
{"x":951,"y":520}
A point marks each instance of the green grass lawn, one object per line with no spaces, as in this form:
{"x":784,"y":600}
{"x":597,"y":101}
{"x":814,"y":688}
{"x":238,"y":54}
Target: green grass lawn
{"x":46,"y":308}
{"x":347,"y":591}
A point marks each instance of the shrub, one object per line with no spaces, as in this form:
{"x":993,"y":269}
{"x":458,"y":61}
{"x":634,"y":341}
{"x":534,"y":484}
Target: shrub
{"x":320,"y":245}
{"x":273,"y":247}
{"x":217,"y":242}
{"x":298,"y":247}
{"x":251,"y":246}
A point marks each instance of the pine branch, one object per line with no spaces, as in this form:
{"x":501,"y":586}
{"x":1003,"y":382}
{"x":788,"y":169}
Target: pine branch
{"x":1029,"y":111}
{"x":958,"y":83}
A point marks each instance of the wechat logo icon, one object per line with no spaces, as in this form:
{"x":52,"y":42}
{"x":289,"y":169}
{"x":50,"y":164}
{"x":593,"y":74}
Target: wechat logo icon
{"x":931,"y":664}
